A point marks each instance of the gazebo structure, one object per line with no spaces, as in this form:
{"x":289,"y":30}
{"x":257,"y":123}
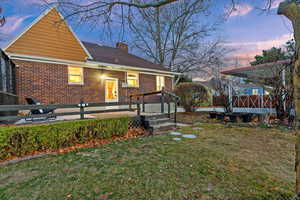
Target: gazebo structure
{"x":263,"y":74}
{"x":264,"y":71}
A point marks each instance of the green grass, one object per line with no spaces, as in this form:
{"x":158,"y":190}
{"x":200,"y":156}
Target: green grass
{"x":222,"y":163}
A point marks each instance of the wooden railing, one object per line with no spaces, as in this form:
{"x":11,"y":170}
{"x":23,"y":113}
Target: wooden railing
{"x":80,"y":106}
{"x":163,"y":93}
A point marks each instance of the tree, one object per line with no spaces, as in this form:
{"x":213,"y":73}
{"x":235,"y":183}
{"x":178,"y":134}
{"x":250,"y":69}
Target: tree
{"x":191,"y":95}
{"x":2,"y":18}
{"x":291,"y":9}
{"x":272,"y":55}
{"x":183,"y":79}
{"x":290,"y":48}
{"x":175,"y":36}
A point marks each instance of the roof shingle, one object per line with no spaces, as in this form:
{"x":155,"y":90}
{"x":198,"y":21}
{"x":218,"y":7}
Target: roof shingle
{"x":117,"y":56}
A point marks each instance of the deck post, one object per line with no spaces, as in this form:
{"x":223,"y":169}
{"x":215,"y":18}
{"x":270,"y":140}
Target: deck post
{"x":162,"y":101}
{"x":130,"y":102}
{"x":81,"y":105}
{"x":138,"y":107}
{"x":143,"y":102}
{"x":169,"y":108}
{"x":175,"y":112}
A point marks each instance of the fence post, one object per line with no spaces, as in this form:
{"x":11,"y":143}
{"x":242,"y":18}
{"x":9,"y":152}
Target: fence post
{"x":138,"y":107}
{"x":143,"y":101}
{"x":162,"y":101}
{"x":169,"y":108}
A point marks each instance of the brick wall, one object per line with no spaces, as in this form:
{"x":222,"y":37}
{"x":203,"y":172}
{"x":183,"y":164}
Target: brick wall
{"x":49,"y":84}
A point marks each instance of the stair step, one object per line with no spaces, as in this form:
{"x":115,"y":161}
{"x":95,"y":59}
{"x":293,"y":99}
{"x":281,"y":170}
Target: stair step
{"x":157,"y":116}
{"x":158,"y":121}
{"x":163,"y":126}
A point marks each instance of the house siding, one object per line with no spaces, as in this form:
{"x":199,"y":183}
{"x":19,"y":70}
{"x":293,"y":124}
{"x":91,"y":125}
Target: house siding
{"x":49,"y":84}
{"x":49,"y":37}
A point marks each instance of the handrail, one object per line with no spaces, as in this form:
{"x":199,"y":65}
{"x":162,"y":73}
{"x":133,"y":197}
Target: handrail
{"x":163,"y":92}
{"x":172,"y":94}
{"x":146,"y":94}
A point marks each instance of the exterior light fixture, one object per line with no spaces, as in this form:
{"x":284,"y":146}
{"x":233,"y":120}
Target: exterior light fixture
{"x":103,"y":76}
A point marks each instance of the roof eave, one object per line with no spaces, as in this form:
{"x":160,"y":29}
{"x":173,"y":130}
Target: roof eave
{"x":133,"y":68}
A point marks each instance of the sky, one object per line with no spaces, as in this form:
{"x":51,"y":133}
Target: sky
{"x":247,"y":30}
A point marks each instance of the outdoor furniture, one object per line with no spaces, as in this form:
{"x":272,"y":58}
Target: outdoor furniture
{"x":212,"y":115}
{"x":50,"y":112}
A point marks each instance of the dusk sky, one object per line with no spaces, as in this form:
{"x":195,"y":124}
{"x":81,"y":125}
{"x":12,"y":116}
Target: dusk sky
{"x":248,"y":30}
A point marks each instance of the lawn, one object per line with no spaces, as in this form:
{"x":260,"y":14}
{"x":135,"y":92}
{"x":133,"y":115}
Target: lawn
{"x":221,"y":163}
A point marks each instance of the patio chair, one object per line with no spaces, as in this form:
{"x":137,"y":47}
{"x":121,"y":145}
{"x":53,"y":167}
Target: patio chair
{"x":32,"y":101}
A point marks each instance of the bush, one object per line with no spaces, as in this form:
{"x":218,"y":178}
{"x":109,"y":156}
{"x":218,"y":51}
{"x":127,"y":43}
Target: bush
{"x":191,"y":95}
{"x":20,"y":140}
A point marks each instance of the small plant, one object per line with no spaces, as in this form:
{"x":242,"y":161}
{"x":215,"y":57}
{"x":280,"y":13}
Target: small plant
{"x":191,"y":95}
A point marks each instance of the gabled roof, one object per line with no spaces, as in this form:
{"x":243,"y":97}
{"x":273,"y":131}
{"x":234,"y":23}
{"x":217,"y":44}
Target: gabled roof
{"x":49,"y":36}
{"x":118,"y":56}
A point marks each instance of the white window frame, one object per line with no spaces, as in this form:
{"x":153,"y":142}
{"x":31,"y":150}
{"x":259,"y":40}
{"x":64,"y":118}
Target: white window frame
{"x":138,"y":79}
{"x":81,"y":74}
{"x":159,"y":82}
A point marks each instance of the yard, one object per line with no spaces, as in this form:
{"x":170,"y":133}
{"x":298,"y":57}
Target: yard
{"x":221,"y":163}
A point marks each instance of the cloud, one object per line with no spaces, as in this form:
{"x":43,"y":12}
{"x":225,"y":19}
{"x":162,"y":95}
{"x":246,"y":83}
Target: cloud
{"x":12,"y":24}
{"x":246,"y":51}
{"x":241,"y":10}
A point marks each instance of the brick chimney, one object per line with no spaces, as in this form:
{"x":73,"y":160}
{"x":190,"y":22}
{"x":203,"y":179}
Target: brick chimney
{"x":122,"y":46}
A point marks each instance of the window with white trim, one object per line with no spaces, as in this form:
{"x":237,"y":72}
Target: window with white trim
{"x":160,"y":82}
{"x":132,"y":79}
{"x":75,"y":75}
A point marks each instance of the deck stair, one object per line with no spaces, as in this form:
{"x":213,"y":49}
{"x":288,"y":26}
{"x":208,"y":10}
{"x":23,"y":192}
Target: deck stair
{"x":159,"y":122}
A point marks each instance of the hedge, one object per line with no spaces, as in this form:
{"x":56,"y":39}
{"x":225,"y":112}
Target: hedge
{"x":20,"y":140}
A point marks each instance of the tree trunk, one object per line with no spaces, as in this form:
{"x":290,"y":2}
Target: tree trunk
{"x":291,"y":10}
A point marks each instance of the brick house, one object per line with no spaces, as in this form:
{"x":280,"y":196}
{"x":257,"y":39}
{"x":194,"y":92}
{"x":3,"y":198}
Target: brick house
{"x":54,"y":66}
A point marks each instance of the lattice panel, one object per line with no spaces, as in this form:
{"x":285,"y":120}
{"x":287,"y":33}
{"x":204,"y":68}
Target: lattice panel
{"x":135,"y":123}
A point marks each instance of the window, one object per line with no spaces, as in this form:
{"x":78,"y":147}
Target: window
{"x":255,"y":92}
{"x":75,"y":75}
{"x":132,"y":79}
{"x":160,"y":82}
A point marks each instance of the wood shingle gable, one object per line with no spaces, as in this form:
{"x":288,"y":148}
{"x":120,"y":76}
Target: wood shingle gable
{"x":51,"y":37}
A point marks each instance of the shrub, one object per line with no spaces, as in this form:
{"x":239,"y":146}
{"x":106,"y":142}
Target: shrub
{"x":20,"y":140}
{"x":191,"y":95}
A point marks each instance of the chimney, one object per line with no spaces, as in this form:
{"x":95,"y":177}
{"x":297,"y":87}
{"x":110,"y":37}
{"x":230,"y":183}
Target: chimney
{"x":122,"y":46}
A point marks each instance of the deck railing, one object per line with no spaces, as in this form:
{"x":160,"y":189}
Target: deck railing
{"x":140,"y":99}
{"x":81,"y":106}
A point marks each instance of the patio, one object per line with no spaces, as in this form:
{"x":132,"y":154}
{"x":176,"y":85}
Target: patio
{"x":151,"y":109}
